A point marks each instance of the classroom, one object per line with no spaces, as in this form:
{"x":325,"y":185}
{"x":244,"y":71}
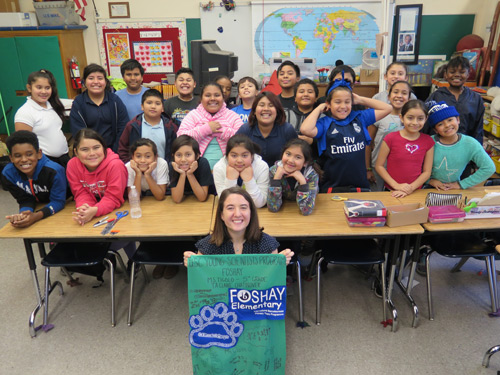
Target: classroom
{"x":154,"y":319}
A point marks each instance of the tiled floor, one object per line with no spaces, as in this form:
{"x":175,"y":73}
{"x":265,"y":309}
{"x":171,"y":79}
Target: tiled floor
{"x":350,"y":339}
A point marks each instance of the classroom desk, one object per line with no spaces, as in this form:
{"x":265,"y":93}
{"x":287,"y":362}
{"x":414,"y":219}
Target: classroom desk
{"x":467,"y":225}
{"x":328,"y":221}
{"x":160,"y":221}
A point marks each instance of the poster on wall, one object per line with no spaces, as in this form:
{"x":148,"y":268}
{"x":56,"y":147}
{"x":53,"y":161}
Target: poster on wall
{"x":237,"y":306}
{"x":155,"y":57}
{"x":118,"y":50}
{"x":167,"y":39}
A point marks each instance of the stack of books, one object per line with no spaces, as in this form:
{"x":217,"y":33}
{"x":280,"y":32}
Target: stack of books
{"x":365,"y":213}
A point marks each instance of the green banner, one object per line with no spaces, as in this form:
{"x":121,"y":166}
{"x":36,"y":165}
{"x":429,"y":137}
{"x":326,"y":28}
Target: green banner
{"x":237,"y":305}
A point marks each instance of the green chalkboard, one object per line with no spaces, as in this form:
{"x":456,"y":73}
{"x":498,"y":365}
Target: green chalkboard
{"x":193,"y":32}
{"x":441,"y":33}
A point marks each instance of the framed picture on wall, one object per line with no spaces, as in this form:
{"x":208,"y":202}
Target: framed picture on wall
{"x":406,"y":34}
{"x":119,"y":10}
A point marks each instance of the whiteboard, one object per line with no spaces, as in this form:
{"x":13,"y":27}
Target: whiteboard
{"x":236,"y":35}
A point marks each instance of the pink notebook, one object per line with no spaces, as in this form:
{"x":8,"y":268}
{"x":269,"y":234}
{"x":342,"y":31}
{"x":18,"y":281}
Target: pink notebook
{"x":446,"y":214}
{"x":366,"y":221}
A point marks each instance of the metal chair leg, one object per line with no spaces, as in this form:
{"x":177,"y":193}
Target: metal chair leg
{"x":112,"y":290}
{"x":122,"y":265}
{"x":318,"y":291}
{"x":384,"y":291}
{"x":299,"y":285}
{"x":429,"y":286}
{"x":488,"y":354}
{"x":131,"y":296}
{"x":490,"y":268}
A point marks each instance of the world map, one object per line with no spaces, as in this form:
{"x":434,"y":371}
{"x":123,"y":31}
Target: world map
{"x":324,"y":33}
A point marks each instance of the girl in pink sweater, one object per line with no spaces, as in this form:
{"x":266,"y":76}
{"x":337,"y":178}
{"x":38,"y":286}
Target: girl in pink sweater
{"x":98,"y":179}
{"x":211,"y":123}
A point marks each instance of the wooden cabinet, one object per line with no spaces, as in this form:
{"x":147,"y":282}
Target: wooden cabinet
{"x":26,"y":51}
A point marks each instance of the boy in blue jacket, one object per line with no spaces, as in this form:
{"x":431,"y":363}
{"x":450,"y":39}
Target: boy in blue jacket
{"x":151,"y":124}
{"x":32,"y":178}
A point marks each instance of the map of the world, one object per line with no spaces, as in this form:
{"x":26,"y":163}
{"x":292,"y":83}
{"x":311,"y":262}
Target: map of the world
{"x":326,"y":33}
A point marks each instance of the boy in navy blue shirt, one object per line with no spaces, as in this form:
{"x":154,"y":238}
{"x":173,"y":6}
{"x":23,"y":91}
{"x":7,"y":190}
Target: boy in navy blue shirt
{"x":32,"y":178}
{"x":468,"y":103}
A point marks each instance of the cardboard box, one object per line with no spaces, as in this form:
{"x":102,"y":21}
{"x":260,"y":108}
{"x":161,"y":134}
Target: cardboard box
{"x":17,"y":19}
{"x":407,"y":214}
{"x":369,"y":76}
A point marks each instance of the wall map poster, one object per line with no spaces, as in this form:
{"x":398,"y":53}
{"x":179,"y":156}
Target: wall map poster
{"x":237,"y":305}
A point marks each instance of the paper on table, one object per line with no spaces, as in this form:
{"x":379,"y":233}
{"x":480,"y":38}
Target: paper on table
{"x":490,"y":199}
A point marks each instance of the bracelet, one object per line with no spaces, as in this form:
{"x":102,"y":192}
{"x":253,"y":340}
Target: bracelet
{"x":369,"y":169}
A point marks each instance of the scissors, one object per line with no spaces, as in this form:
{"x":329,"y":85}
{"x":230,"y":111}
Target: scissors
{"x":338,"y":198}
{"x":119,"y":215}
{"x":104,"y":220}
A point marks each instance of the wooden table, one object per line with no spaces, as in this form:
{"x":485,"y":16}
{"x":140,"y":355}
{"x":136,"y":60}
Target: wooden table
{"x":161,"y":220}
{"x":328,"y":221}
{"x":466,"y":225}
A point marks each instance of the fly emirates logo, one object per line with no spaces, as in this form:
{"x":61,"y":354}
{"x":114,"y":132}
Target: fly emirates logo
{"x":350,"y":145}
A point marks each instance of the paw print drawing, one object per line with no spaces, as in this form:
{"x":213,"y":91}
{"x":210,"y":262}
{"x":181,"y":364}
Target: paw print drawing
{"x":214,"y":326}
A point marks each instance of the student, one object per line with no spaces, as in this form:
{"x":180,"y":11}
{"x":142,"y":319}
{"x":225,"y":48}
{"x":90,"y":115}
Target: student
{"x":342,"y":138}
{"x":395,"y":72}
{"x":467,"y":103}
{"x":99,"y":109}
{"x":340,"y":72}
{"x":294,"y":178}
{"x":399,"y":95}
{"x":97,"y":177}
{"x":133,"y":74}
{"x":152,"y":125}
{"x":32,"y":178}
{"x":408,"y":153}
{"x":248,"y":89}
{"x":237,"y":229}
{"x":267,"y":126}
{"x":179,"y":106}
{"x":243,"y":167}
{"x":190,"y":172}
{"x":225,"y":83}
{"x":146,"y":171}
{"x":43,"y":114}
{"x":453,"y":151}
{"x":306,"y":93}
{"x":288,"y":76}
{"x":211,"y":124}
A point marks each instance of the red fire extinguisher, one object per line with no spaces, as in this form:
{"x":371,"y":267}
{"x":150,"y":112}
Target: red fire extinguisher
{"x":74,"y":70}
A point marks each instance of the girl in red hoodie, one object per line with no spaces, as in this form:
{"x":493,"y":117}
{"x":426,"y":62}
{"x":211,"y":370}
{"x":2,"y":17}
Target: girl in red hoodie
{"x":97,"y":178}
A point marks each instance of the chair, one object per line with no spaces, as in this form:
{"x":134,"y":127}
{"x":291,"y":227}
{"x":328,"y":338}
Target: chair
{"x":352,"y":252}
{"x":76,"y":255}
{"x":463,"y":247}
{"x":154,"y":253}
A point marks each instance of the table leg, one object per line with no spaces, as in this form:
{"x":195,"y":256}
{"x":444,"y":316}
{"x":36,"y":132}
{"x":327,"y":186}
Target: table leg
{"x":392,"y":275}
{"x":301,"y":322}
{"x":407,"y":289}
{"x":28,"y":246}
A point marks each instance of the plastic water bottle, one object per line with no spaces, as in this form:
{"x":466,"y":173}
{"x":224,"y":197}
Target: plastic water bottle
{"x":135,"y":203}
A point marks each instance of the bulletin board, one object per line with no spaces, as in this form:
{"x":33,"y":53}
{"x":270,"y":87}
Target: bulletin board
{"x":160,"y":46}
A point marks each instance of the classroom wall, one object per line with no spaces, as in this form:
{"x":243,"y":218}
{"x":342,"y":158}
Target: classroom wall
{"x":482,"y":9}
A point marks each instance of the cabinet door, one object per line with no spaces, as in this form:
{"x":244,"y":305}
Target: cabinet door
{"x":12,"y":81}
{"x":41,"y":52}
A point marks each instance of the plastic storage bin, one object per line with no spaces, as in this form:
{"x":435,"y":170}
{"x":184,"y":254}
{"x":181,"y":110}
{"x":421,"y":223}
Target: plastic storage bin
{"x":446,"y":214}
{"x":56,"y":13}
